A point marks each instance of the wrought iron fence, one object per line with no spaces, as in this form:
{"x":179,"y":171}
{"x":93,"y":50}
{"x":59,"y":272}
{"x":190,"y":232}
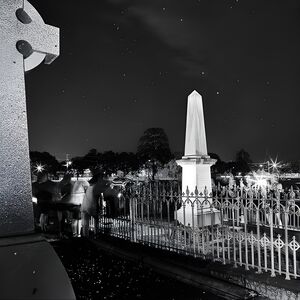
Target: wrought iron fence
{"x":246,"y":227}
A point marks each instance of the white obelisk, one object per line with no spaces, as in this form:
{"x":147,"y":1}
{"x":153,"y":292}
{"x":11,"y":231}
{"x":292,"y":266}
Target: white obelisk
{"x":196,"y":165}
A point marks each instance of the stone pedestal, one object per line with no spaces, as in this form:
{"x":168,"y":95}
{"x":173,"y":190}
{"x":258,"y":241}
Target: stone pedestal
{"x":202,"y":217}
{"x":196,"y":173}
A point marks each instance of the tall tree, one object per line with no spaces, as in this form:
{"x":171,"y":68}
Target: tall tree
{"x":108,"y":161}
{"x":154,"y":146}
{"x":91,"y":158}
{"x":127,"y":161}
{"x":243,"y":162}
{"x":219,"y":167}
{"x":79,"y":164}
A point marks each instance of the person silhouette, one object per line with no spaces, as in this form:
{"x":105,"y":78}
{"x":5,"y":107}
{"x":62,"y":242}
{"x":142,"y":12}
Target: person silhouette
{"x":73,"y":193}
{"x":92,"y":204}
{"x":47,"y":193}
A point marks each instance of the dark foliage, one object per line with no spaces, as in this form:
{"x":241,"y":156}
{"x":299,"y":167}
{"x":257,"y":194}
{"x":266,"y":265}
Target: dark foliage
{"x":109,"y":161}
{"x":243,"y":162}
{"x":49,"y":162}
{"x":292,"y":167}
{"x":154,"y":146}
{"x":219,"y":167}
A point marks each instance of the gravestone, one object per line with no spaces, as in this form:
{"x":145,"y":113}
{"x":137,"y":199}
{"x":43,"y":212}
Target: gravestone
{"x":196,"y":165}
{"x":22,"y":31}
{"x":29,"y":265}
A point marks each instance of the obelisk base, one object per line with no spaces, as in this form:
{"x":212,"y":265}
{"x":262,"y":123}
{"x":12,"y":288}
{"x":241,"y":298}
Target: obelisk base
{"x":202,"y":218}
{"x":196,"y":174}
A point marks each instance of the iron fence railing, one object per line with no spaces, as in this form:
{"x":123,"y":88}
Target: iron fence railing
{"x":247,"y":227}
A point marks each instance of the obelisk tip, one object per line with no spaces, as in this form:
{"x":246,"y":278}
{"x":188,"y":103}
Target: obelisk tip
{"x":195,"y":93}
{"x":195,"y":138}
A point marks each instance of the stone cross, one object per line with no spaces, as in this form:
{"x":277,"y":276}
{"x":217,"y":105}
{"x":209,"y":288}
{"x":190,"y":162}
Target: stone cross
{"x":25,"y":41}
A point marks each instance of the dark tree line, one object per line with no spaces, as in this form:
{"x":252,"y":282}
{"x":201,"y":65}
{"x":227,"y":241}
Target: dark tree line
{"x":153,"y":151}
{"x":241,"y":165}
{"x":154,"y":145}
{"x":44,"y":159}
{"x":108,"y":161}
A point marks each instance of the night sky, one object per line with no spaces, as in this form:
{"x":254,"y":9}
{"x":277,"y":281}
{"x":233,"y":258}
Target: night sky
{"x":126,"y":66}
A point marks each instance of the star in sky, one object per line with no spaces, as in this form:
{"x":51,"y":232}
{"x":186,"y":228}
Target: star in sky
{"x":200,"y":46}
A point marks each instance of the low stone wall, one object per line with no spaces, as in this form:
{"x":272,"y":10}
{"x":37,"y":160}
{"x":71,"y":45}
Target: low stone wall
{"x":205,"y":272}
{"x":272,"y":292}
{"x":276,"y":288}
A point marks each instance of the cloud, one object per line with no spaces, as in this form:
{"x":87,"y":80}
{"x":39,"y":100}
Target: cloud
{"x":176,"y":32}
{"x":190,"y":32}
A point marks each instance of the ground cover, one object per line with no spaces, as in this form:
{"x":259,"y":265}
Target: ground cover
{"x":96,"y":274}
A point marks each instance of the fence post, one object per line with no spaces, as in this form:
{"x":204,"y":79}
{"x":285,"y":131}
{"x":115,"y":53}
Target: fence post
{"x":233,"y":235}
{"x":212,"y":231}
{"x":294,"y":246}
{"x":132,"y":218}
{"x":175,"y":229}
{"x":223,"y":231}
{"x":272,"y":246}
{"x":246,"y":238}
{"x":193,"y":229}
{"x":286,"y":241}
{"x":184,"y":225}
{"x":259,"y":271}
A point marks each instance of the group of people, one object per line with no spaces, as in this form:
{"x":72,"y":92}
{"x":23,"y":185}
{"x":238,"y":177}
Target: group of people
{"x":76,"y":202}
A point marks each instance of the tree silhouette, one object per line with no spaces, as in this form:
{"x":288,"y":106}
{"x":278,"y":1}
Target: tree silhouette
{"x":243,"y":161}
{"x":154,"y":146}
{"x":219,"y":167}
{"x":48,"y":161}
{"x":88,"y":161}
{"x":79,"y":164}
{"x":92,"y":158}
{"x":109,"y":162}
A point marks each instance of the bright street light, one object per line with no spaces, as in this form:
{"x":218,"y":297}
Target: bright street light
{"x":68,"y":163}
{"x":274,"y":164}
{"x":39,"y":168}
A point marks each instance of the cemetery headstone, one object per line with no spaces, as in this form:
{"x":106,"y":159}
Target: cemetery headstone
{"x":30,"y":267}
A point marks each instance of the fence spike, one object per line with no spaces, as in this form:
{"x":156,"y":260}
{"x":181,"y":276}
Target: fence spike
{"x":196,"y":191}
{"x":151,"y":225}
{"x":187,"y":191}
{"x":205,"y":191}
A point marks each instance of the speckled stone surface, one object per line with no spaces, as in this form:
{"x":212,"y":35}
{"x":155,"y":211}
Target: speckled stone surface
{"x":15,"y":184}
